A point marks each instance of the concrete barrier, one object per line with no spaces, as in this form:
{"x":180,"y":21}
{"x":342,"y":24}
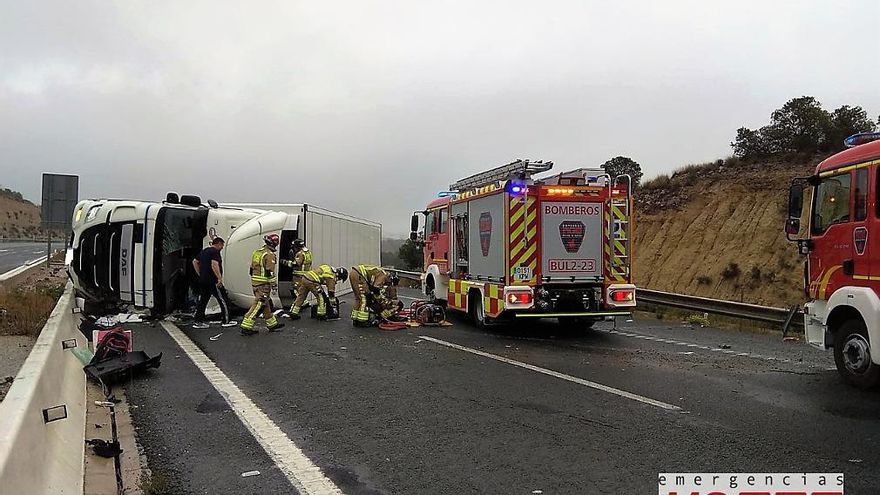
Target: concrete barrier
{"x":39,"y":456}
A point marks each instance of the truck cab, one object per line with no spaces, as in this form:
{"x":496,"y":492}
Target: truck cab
{"x":834,"y":217}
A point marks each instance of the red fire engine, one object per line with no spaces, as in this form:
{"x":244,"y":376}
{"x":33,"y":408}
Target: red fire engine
{"x":501,"y":245}
{"x":842,"y":267}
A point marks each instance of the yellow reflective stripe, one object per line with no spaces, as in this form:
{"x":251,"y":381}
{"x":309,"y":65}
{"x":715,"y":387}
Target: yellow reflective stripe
{"x":843,"y":170}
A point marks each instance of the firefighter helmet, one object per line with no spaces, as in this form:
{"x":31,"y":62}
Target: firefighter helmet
{"x":341,"y":274}
{"x":298,"y":244}
{"x":272,"y":240}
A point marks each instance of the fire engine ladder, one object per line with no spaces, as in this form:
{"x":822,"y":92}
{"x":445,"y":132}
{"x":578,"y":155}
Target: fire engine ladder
{"x":620,"y":233}
{"x":518,"y":169}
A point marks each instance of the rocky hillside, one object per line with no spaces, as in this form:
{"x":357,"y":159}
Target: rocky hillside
{"x":715,"y":230}
{"x":19,"y":218}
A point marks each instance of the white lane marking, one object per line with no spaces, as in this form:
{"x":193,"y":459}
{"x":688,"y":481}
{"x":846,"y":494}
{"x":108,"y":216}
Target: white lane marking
{"x":20,"y":269}
{"x":556,"y":374}
{"x":302,"y":473}
{"x":712,"y":349}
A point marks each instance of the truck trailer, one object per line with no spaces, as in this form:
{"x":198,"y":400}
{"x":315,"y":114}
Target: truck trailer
{"x":502,"y":245}
{"x":128,"y":253}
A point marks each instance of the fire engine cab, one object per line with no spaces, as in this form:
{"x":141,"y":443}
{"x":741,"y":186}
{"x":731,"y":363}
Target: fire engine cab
{"x":841,"y":240}
{"x":501,"y":245}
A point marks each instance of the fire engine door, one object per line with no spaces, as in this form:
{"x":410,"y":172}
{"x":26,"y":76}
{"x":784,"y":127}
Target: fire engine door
{"x":835,"y":258}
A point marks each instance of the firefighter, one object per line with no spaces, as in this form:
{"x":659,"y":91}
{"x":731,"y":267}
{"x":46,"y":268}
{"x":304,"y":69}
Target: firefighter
{"x":312,"y":281}
{"x":300,"y":261}
{"x":264,"y":282}
{"x":368,"y":281}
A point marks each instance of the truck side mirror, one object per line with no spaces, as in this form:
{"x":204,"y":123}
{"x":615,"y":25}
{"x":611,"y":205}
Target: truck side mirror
{"x":792,"y":226}
{"x":414,"y":224}
{"x":795,"y":201}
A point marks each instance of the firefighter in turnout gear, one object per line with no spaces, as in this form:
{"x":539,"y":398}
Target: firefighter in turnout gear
{"x":312,"y":281}
{"x":300,"y":262}
{"x":368,"y":281}
{"x":264,"y":282}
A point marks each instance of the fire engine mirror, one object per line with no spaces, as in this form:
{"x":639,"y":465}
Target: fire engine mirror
{"x":795,"y":201}
{"x":414,"y":225}
{"x":792,"y":226}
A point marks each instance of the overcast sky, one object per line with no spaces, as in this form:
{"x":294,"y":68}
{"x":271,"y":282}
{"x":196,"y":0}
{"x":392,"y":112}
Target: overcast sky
{"x":371,"y":107}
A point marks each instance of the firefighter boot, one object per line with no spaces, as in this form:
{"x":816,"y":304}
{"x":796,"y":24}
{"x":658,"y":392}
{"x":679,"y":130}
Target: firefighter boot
{"x":274,"y":325}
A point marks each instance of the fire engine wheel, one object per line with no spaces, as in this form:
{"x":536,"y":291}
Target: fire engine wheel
{"x":478,"y":312}
{"x":852,"y":354}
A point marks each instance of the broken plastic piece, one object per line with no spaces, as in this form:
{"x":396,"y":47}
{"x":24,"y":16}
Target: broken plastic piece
{"x":248,"y":474}
{"x":104,"y":448}
{"x":216,"y":337}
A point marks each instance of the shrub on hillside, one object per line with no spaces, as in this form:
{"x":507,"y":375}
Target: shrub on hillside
{"x":731,"y":271}
{"x":703,"y":280}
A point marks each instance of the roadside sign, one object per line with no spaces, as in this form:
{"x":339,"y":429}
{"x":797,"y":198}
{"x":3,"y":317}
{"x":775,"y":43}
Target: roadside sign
{"x":60,"y":195}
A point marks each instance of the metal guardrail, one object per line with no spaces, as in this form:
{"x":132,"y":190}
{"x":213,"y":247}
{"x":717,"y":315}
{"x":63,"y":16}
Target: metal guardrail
{"x":766,"y":314}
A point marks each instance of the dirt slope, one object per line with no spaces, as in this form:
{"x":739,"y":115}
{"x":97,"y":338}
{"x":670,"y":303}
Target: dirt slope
{"x":18,"y":218}
{"x":715,"y":230}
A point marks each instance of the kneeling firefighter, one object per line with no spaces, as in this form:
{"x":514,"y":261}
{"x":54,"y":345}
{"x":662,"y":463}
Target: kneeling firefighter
{"x":264,"y":282}
{"x":369,"y":281}
{"x":312,"y":281}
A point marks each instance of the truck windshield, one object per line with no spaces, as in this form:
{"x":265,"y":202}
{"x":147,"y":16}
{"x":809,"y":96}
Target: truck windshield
{"x":831,"y":204}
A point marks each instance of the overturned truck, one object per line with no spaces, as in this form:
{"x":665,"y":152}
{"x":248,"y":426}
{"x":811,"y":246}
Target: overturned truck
{"x":128,"y":253}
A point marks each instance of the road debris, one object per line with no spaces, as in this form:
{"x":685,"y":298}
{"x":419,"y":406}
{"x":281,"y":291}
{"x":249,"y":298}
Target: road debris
{"x":248,"y":474}
{"x":724,"y":346}
{"x":216,"y":337}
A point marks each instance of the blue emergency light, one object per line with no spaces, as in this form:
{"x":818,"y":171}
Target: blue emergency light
{"x":516,"y":187}
{"x":861,"y":138}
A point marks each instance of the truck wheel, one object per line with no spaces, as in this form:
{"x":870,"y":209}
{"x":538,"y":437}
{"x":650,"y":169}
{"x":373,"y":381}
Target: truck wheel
{"x":576,"y":323}
{"x":852,"y":355}
{"x":429,"y":289}
{"x":478,"y":312}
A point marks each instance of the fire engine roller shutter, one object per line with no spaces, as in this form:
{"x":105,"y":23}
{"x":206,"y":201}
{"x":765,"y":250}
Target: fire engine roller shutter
{"x":486,"y":238}
{"x":573,"y":236}
{"x":523,"y":234}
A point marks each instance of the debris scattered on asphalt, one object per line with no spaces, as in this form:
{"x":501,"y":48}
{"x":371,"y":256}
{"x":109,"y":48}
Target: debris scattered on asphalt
{"x":418,"y":340}
{"x":248,"y":474}
{"x":855,"y":461}
{"x":686,"y":353}
{"x":104,"y":403}
{"x":724,"y":346}
{"x":629,"y":321}
{"x":104,"y":448}
{"x":344,"y":348}
{"x":537,"y":491}
{"x":216,"y":337}
{"x":98,"y":426}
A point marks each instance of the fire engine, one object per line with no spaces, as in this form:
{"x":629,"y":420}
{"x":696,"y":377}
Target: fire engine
{"x":502,"y":245}
{"x":842,"y":266}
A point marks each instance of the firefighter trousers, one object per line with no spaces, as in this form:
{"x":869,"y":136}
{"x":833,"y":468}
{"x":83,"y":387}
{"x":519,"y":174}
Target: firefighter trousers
{"x":306,"y":286}
{"x":359,"y":288}
{"x":262,"y":301}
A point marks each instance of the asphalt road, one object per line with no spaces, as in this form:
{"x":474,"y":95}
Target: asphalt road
{"x":15,"y":254}
{"x":603,"y":411}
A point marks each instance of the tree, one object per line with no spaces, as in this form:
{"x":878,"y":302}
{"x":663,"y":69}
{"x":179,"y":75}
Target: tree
{"x":620,"y":165}
{"x":801,"y":125}
{"x":749,"y":143}
{"x":411,"y":255}
{"x":847,"y":121}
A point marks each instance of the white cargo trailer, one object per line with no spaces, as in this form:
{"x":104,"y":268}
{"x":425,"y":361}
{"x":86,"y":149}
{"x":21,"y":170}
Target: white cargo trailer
{"x":137,"y":253}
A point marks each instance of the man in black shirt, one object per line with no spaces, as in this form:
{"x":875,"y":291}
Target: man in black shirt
{"x":209,"y":266}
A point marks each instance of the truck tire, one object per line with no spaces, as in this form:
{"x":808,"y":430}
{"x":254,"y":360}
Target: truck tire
{"x":576,"y":323}
{"x":852,"y":355}
{"x":478,"y":312}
